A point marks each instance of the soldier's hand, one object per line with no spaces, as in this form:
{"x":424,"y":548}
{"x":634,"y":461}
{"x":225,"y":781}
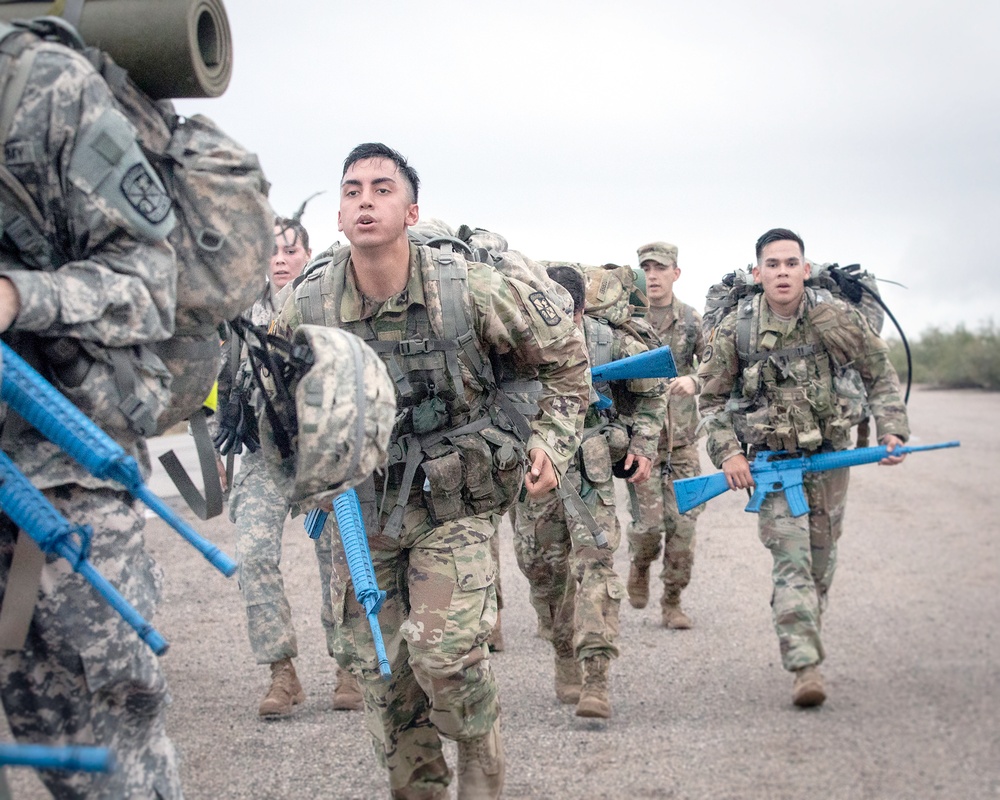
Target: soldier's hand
{"x":10,"y":304}
{"x":685,"y":386}
{"x":643,"y":467}
{"x":892,"y":442}
{"x":541,"y":475}
{"x":737,"y":471}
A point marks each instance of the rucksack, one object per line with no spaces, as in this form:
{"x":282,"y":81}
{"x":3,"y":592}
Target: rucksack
{"x":615,"y":296}
{"x":222,"y":238}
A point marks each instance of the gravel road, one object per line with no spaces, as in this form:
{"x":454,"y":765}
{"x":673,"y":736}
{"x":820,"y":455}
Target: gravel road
{"x":913,"y":667}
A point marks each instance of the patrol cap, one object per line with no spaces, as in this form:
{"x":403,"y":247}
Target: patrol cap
{"x":660,"y":252}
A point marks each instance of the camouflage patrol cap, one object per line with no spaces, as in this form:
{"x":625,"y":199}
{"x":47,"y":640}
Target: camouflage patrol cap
{"x":346,"y":406}
{"x":660,"y":252}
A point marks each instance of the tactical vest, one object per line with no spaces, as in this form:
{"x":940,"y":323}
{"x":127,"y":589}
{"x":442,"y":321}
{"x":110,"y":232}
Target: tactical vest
{"x":795,"y":397}
{"x":457,"y":449}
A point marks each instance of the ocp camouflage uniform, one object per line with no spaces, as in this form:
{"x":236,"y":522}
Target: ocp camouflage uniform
{"x":441,"y":602}
{"x":656,"y":522}
{"x":556,"y":551}
{"x":788,"y":401}
{"x":259,"y":506}
{"x":83,"y":677}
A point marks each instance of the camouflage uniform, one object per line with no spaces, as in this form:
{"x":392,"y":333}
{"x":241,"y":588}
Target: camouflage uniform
{"x":441,"y":603}
{"x":780,"y":402}
{"x":565,"y":569}
{"x":83,"y":677}
{"x":259,"y":506}
{"x":655,"y":521}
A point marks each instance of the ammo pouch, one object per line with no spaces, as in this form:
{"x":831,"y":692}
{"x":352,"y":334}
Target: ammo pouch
{"x":474,"y":473}
{"x":123,"y":389}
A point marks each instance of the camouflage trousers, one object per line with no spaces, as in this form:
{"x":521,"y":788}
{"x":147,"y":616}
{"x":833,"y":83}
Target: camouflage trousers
{"x":567,"y":572}
{"x":84,"y":677}
{"x":259,"y":509}
{"x":439,"y":610}
{"x":657,"y":525}
{"x":804,"y":551}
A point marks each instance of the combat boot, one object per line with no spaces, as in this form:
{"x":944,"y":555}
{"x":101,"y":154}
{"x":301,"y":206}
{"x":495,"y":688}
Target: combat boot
{"x":569,"y":679}
{"x":594,"y":700}
{"x":495,"y":639}
{"x":638,"y":585}
{"x":808,"y":690}
{"x":285,"y":691}
{"x":481,"y":766}
{"x":347,"y":695}
{"x":673,"y":617}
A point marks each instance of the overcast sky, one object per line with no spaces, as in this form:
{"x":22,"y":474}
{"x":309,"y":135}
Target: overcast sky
{"x":581,"y":130}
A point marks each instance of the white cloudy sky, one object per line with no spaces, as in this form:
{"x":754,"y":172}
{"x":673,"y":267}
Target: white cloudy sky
{"x":581,"y":130}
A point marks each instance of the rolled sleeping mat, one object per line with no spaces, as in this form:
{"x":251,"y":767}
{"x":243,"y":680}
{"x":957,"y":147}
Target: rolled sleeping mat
{"x":171,"y":48}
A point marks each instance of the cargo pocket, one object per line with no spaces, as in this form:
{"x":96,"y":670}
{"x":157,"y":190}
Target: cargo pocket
{"x":474,"y":603}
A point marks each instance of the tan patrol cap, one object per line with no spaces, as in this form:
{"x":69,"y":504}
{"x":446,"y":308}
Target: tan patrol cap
{"x":660,"y":252}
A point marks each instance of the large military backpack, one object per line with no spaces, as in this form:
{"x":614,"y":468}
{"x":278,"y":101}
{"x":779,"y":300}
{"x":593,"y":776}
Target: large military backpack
{"x":222,"y":238}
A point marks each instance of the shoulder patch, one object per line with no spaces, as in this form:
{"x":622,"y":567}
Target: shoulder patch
{"x":544,"y":308}
{"x":144,"y":194}
{"x":707,"y":355}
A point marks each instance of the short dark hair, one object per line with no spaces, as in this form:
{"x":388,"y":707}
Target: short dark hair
{"x":779,"y":235}
{"x":572,"y":281}
{"x":378,"y":150}
{"x":296,"y":227}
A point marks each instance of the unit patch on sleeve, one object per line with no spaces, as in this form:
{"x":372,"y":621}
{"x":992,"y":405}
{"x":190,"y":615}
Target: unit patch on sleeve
{"x":544,"y":308}
{"x":145,"y":194}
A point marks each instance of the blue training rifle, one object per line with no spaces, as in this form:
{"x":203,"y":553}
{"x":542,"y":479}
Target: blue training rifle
{"x":28,"y":508}
{"x":347,"y":509}
{"x":658,"y":363}
{"x":779,"y":471}
{"x":72,"y":758}
{"x":63,"y":424}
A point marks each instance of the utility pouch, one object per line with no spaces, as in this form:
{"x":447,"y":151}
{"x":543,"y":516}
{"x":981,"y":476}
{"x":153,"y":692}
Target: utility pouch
{"x":477,"y":459}
{"x":508,"y":458}
{"x":443,"y":487}
{"x":123,"y":389}
{"x":618,"y":442}
{"x":595,"y":460}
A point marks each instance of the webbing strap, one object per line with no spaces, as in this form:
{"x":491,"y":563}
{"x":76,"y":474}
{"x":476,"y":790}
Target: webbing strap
{"x":23,"y":581}
{"x":576,"y":507}
{"x":210,"y":504}
{"x":785,"y":352}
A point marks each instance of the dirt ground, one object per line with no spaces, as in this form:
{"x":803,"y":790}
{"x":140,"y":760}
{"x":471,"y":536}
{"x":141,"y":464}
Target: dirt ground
{"x":912,"y":639}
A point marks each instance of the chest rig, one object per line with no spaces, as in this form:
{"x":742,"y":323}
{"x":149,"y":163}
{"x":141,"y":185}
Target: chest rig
{"x":458,"y":442}
{"x":792,"y":397}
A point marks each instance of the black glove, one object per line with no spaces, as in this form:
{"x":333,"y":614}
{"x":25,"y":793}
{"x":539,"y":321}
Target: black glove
{"x":848,"y":282}
{"x":237,"y":428}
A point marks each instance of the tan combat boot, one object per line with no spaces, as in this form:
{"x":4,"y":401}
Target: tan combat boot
{"x":638,"y":585}
{"x":569,"y":679}
{"x":347,"y":695}
{"x":673,"y":617}
{"x":594,"y":700}
{"x":481,"y":766}
{"x":495,"y":639}
{"x":808,"y":690}
{"x":285,"y":691}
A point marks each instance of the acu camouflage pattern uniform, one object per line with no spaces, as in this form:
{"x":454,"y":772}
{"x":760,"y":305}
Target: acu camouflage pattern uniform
{"x":787,"y":401}
{"x":566,"y":571}
{"x":83,"y":676}
{"x":656,"y":522}
{"x":441,"y":602}
{"x":258,"y":505}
